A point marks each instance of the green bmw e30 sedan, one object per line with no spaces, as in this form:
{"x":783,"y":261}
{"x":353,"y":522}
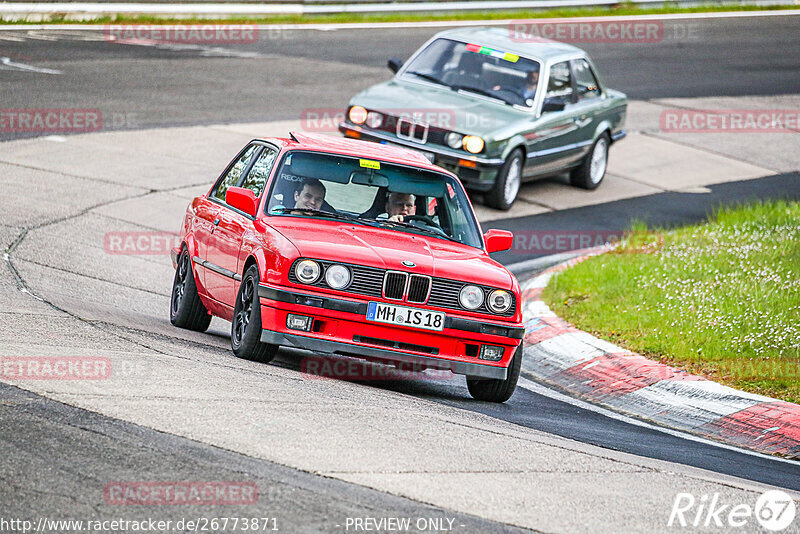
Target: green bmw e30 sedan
{"x":496,"y":111}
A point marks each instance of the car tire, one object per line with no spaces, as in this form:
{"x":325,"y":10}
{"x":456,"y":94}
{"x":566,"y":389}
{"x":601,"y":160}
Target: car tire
{"x":246,"y":324}
{"x":592,"y":170}
{"x":495,"y":390}
{"x":186,"y":310}
{"x":506,"y":186}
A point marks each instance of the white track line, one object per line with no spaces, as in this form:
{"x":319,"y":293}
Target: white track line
{"x":442,"y":23}
{"x":540,"y":389}
{"x":6,"y":61}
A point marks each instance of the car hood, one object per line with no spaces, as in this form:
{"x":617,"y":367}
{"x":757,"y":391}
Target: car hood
{"x":439,"y":106}
{"x":387,"y":249}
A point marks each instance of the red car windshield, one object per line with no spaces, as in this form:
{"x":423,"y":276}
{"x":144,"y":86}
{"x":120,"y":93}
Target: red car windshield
{"x":374,"y":193}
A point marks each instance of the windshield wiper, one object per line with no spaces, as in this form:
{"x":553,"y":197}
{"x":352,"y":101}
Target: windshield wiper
{"x":434,"y":233}
{"x":480,"y":91}
{"x":429,"y":77}
{"x":328,"y":214}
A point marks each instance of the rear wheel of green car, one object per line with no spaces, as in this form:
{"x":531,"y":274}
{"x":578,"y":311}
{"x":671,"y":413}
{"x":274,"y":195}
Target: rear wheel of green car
{"x":496,"y":390}
{"x":506,"y":186}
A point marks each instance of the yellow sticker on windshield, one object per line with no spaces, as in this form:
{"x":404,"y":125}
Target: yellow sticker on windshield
{"x":369,"y":164}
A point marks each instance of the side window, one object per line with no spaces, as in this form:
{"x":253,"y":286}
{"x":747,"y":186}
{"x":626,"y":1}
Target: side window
{"x":585,"y":80}
{"x":234,"y":173}
{"x":560,"y":83}
{"x":257,"y":177}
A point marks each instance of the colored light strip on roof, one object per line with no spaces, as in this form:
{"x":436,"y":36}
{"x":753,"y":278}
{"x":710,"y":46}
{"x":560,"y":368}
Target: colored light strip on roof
{"x":478,"y":49}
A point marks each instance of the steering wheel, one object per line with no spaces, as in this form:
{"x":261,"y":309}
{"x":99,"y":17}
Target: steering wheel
{"x":423,"y":218}
{"x":511,"y":91}
{"x":427,"y":221}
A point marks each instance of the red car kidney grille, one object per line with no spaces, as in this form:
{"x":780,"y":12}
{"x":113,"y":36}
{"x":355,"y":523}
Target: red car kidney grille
{"x":394,"y":285}
{"x":419,"y":288}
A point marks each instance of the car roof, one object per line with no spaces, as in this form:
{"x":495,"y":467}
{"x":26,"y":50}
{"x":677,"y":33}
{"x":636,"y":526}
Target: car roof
{"x":355,"y":147}
{"x":501,"y":39}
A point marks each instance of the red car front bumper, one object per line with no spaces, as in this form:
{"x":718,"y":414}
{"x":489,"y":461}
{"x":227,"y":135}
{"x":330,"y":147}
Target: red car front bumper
{"x":340,"y":327}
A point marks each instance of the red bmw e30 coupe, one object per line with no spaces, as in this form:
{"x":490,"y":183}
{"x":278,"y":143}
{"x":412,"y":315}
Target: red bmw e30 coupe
{"x":353,"y":248}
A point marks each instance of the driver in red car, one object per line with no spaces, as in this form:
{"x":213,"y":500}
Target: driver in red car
{"x":310,"y":194}
{"x":399,"y":205}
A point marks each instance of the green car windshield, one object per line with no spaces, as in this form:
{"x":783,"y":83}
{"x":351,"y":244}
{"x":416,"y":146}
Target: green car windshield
{"x":479,"y":69}
{"x":373,"y":193}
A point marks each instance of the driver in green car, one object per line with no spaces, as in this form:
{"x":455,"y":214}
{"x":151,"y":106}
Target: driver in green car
{"x":529,"y":91}
{"x":399,"y":205}
{"x":531,"y":81}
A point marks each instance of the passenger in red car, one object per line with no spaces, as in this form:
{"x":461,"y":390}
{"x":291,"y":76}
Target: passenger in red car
{"x":310,"y":194}
{"x":399,"y":205}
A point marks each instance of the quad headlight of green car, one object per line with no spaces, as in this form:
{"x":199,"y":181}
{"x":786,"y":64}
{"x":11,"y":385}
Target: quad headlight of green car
{"x":496,"y":111}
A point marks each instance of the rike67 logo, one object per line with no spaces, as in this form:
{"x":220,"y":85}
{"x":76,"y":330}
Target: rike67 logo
{"x":773,"y":511}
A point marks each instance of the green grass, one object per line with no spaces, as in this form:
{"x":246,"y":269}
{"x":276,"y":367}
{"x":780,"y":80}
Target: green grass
{"x":720,"y":299}
{"x":620,"y":9}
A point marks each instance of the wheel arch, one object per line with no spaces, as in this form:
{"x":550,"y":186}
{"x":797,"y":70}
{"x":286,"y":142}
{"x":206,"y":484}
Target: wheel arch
{"x":190,"y":245}
{"x":521,"y":147}
{"x":516,"y":142}
{"x":251,"y":260}
{"x":603,"y":128}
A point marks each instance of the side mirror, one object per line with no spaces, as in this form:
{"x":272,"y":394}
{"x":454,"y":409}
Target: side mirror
{"x":242,"y":199}
{"x":498,"y":240}
{"x":394,"y":64}
{"x":553,"y":104}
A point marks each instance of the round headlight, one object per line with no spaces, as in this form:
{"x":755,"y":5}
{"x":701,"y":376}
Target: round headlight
{"x":357,"y":115}
{"x":453,"y":140}
{"x":307,"y":271}
{"x":374,"y":119}
{"x":471,"y":297}
{"x":499,"y":301}
{"x":473,"y":144}
{"x":337,"y":276}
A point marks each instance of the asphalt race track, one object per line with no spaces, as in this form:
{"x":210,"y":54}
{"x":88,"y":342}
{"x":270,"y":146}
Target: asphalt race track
{"x":320,"y":451}
{"x":287,"y":71}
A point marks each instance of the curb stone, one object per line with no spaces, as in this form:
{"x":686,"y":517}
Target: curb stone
{"x":559,"y":354}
